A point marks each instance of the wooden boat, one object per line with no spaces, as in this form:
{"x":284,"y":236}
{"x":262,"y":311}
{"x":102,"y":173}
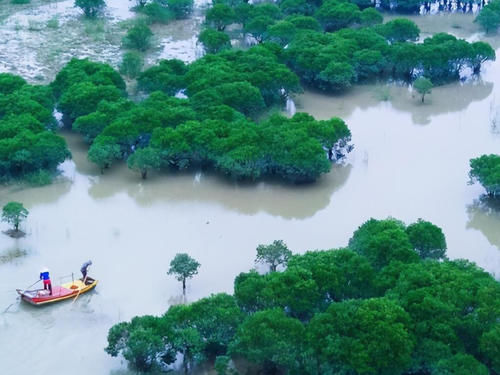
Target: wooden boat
{"x":62,"y":292}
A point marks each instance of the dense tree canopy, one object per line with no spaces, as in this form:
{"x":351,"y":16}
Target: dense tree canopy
{"x":28,"y":143}
{"x":209,"y":128}
{"x":356,"y":47}
{"x":183,"y":267}
{"x":338,"y":312}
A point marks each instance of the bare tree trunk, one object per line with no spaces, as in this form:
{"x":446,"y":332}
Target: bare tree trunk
{"x":184,"y":287}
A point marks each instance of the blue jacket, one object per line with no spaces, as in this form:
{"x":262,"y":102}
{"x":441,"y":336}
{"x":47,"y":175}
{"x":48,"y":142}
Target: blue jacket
{"x":44,"y":275}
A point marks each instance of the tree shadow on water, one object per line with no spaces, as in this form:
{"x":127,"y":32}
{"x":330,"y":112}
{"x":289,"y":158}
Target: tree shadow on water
{"x":484,"y":215}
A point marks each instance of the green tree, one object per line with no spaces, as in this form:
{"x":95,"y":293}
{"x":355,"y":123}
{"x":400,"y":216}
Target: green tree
{"x":486,"y":170}
{"x":370,"y":17}
{"x":368,"y":337}
{"x":138,"y":37}
{"x":183,"y":267}
{"x":14,"y":214}
{"x":131,"y":65}
{"x":214,"y":41}
{"x":181,"y":9}
{"x":480,"y":53}
{"x":167,"y":76}
{"x":83,"y":98}
{"x":143,"y":160}
{"x":274,"y":255}
{"x":271,"y":339}
{"x":281,"y":32}
{"x":334,"y":15}
{"x":460,"y":364}
{"x":489,"y":17}
{"x":383,"y":241}
{"x":427,"y":239}
{"x":219,"y":16}
{"x":399,"y":30}
{"x":91,"y":8}
{"x":490,"y":347}
{"x":104,"y":151}
{"x":423,"y":86}
{"x":9,"y":83}
{"x":337,"y":76}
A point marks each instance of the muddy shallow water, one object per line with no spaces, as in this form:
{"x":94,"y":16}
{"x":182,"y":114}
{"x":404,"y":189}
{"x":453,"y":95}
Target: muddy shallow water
{"x":410,"y":160}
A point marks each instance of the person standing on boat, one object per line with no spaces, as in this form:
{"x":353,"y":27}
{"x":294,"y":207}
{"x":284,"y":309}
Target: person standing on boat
{"x":84,"y":269}
{"x":47,"y":284}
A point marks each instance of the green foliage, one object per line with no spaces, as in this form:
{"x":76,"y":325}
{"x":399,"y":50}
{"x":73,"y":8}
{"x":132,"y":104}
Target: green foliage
{"x":399,"y":30}
{"x":144,"y":160}
{"x":157,"y":12}
{"x":214,"y":41}
{"x":370,"y":17}
{"x":489,"y":17}
{"x":423,"y":86}
{"x":274,"y":255}
{"x":281,"y":32}
{"x":131,"y":65}
{"x":183,"y":267}
{"x":271,"y":339}
{"x":84,"y":70}
{"x":83,"y":98}
{"x":167,"y":76}
{"x":368,"y":337}
{"x":219,"y":16}
{"x":20,"y":1}
{"x":335,"y":15}
{"x":332,"y":312}
{"x":10,"y":83}
{"x":14,"y":214}
{"x":427,"y":239}
{"x":103,"y":152}
{"x":138,"y":37}
{"x":383,"y":241}
{"x":91,"y":8}
{"x":28,"y":144}
{"x":460,"y":364}
{"x":486,"y":170}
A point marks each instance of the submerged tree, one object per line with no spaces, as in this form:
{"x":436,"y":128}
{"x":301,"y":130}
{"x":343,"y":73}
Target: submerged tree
{"x":423,"y":86}
{"x":91,"y":8}
{"x":14,"y":214}
{"x":486,"y":170}
{"x":144,"y":160}
{"x":183,"y":267}
{"x":274,"y":255}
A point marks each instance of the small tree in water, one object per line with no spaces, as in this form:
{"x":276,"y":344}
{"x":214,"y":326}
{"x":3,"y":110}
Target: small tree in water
{"x":183,"y":267}
{"x":274,"y":255}
{"x":14,"y":213}
{"x":423,"y":86}
{"x":91,"y":8}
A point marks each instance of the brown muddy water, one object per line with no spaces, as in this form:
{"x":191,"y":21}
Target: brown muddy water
{"x":410,"y":161}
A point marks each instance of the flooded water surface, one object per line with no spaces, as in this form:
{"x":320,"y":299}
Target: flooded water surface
{"x":410,"y":161}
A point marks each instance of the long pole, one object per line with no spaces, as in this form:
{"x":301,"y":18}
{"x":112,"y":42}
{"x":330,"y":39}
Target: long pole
{"x":32,"y":284}
{"x":84,"y":280}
